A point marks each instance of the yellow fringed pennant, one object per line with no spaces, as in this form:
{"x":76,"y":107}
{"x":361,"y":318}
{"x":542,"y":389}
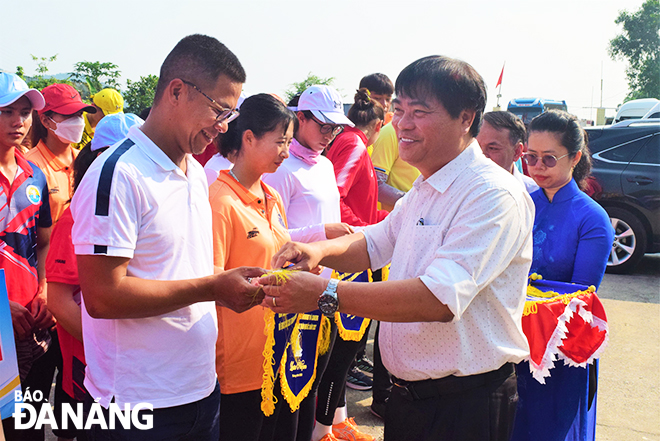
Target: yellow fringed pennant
{"x":299,"y":362}
{"x":351,"y":327}
{"x":324,"y":335}
{"x":268,"y":400}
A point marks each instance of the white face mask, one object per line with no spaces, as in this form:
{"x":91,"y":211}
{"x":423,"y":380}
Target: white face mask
{"x":70,"y":130}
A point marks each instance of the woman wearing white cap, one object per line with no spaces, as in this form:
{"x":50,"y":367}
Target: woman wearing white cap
{"x":24,"y":228}
{"x":306,"y":181}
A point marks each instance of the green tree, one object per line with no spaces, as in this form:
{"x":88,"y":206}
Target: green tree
{"x":140,"y":94}
{"x":96,"y":75}
{"x":42,"y":63}
{"x":311,"y":80}
{"x":39,"y":80}
{"x":639,"y":44}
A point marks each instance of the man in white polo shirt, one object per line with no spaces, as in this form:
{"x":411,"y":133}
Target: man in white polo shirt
{"x":143,"y":240}
{"x":460,"y":242}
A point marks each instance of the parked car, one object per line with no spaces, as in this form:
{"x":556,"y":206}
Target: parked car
{"x":626,"y":182}
{"x":635,"y":109}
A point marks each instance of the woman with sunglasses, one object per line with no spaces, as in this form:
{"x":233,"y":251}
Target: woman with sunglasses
{"x":249,"y":226}
{"x":572,"y":241}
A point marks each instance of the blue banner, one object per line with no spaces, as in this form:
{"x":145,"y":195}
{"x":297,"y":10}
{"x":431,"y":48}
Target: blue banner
{"x":9,"y":379}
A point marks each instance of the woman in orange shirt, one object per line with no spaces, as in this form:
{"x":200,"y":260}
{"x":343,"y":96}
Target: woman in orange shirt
{"x":249,"y":226}
{"x":59,"y":126}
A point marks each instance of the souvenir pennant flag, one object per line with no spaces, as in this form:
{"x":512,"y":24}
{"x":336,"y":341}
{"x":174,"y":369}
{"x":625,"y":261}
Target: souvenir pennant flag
{"x":298,"y":369}
{"x":9,"y":379}
{"x":351,"y":327}
{"x":279,"y":329}
{"x":562,"y":320}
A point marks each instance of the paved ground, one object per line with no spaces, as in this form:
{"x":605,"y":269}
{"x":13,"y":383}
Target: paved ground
{"x":629,"y":389}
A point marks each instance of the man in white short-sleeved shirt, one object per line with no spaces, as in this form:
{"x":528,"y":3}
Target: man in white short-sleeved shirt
{"x":460,"y":242}
{"x":143,"y":240}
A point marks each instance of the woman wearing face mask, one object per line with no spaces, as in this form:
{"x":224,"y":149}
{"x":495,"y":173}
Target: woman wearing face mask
{"x":60,"y":125}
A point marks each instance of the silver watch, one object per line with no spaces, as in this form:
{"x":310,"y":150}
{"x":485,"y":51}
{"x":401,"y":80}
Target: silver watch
{"x":328,"y":302}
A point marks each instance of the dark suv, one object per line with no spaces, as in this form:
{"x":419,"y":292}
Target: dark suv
{"x":626,"y":182}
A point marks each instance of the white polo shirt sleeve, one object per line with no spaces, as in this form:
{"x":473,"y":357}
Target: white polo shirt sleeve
{"x":107,"y":226}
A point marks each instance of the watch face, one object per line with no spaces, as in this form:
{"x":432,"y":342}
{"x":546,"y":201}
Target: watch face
{"x":328,"y":304}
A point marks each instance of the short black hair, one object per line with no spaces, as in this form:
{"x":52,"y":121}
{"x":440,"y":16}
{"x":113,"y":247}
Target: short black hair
{"x":201,"y":60}
{"x":377,"y":83}
{"x":454,"y":83}
{"x":503,"y":120}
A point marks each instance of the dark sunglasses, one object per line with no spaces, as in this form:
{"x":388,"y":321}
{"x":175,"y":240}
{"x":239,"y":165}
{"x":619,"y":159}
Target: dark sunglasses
{"x":548,"y":160}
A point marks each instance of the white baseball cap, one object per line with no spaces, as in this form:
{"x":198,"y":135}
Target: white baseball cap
{"x":113,"y":128}
{"x":12,"y":87}
{"x":325,"y":104}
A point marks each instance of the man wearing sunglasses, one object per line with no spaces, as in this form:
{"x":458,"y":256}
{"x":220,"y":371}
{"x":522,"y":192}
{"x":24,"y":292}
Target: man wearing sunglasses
{"x":502,"y":139}
{"x":143,"y":239}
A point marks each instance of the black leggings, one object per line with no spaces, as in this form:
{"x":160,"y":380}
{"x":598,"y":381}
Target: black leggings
{"x":307,"y":412}
{"x":332,"y":390}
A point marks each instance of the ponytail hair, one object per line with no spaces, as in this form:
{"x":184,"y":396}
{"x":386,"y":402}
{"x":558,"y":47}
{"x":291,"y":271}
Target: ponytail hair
{"x":364,"y":110}
{"x":571,"y":135}
{"x":261,"y":113}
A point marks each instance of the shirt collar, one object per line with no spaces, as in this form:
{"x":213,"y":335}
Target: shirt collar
{"x":152,"y":150}
{"x":49,"y":157}
{"x":244,"y":195}
{"x":358,"y":132}
{"x":443,"y":178}
{"x":23,"y":163}
{"x":567,"y":192}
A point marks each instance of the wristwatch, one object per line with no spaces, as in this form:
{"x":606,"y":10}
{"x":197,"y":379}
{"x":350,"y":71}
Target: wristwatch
{"x":328,"y":302}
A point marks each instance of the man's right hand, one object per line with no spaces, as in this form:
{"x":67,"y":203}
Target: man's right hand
{"x":22,"y":320}
{"x":303,"y":256}
{"x":234,"y":290}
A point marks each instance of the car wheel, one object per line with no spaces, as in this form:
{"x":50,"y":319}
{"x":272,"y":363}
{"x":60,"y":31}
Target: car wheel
{"x":629,"y":243}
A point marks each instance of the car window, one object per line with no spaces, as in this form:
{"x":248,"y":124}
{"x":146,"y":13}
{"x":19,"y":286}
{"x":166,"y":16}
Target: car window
{"x":623,"y":153}
{"x":650,"y":153}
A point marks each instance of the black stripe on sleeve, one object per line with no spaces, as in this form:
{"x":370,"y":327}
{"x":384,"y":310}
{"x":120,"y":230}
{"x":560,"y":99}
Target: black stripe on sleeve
{"x":105,"y":179}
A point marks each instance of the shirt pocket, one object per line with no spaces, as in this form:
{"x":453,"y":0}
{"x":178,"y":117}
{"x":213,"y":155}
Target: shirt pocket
{"x":426,"y":239}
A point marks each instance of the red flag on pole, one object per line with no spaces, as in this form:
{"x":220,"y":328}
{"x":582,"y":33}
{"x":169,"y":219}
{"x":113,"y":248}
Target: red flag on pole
{"x":501,"y":75}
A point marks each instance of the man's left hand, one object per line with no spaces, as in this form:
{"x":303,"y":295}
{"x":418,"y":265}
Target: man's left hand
{"x":234,"y":290}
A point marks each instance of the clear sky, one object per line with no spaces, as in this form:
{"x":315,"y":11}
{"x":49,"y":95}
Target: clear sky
{"x":552,"y":49}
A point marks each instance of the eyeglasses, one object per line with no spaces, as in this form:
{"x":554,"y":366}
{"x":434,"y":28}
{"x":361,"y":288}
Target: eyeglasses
{"x":548,"y":160}
{"x":223,"y":115}
{"x":328,"y":128}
